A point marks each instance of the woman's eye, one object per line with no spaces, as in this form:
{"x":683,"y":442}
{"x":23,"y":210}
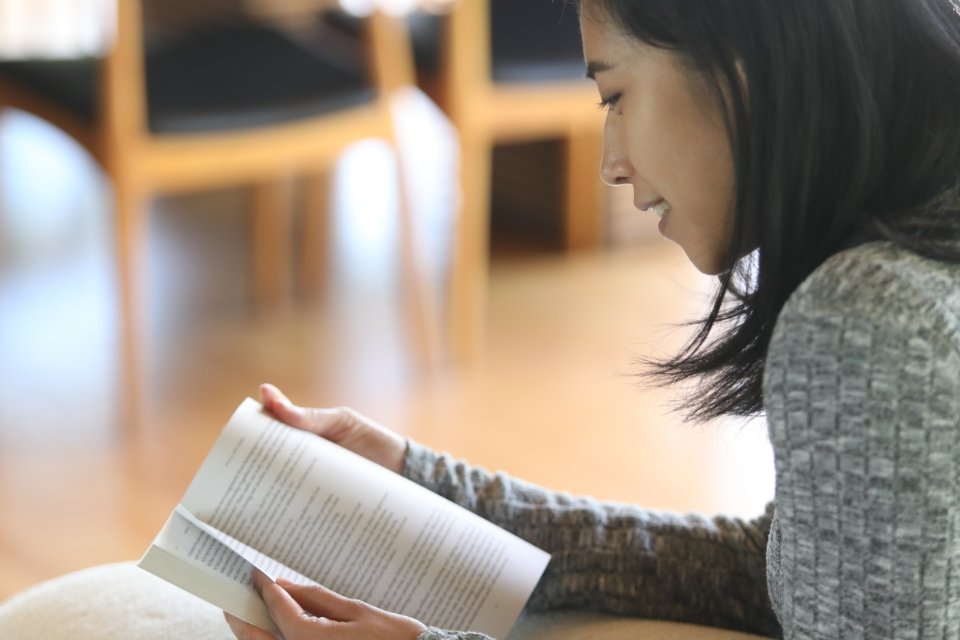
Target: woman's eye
{"x":609,"y":103}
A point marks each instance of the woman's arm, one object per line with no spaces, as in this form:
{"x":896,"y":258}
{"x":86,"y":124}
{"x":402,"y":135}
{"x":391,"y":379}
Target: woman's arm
{"x":608,"y":557}
{"x":617,"y":558}
{"x":863,"y":398}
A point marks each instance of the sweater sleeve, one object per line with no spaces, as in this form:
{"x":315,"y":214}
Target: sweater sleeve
{"x":617,"y":558}
{"x":862,"y":393}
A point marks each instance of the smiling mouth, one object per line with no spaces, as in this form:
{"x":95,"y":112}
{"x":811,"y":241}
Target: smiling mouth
{"x":659,"y":208}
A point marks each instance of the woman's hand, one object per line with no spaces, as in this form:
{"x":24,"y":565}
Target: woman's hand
{"x":342,"y":426}
{"x":315,"y":613}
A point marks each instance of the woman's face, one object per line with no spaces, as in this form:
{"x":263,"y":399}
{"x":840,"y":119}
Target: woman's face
{"x":665,"y":136}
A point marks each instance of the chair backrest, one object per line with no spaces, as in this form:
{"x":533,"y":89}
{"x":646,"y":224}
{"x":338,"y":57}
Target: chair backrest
{"x":534,"y":41}
{"x":164,"y":19}
{"x":379,"y":53}
{"x":500,"y":41}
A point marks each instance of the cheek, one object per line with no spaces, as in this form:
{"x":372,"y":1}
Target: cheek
{"x":716,"y":191}
{"x":662,"y":146}
{"x":705,"y":226}
{"x":702,"y":165}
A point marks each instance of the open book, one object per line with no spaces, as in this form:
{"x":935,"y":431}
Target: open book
{"x":297,"y":506}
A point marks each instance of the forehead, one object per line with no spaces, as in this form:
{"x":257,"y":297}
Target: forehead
{"x":606,"y":44}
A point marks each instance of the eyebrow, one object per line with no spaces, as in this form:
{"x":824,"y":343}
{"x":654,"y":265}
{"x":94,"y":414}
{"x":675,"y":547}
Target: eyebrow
{"x":593,"y":68}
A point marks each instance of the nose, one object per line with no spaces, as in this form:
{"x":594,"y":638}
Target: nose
{"x":615,"y":166}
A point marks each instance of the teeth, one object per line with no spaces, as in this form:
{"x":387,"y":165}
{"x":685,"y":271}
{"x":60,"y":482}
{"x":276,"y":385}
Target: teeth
{"x":660,"y":209}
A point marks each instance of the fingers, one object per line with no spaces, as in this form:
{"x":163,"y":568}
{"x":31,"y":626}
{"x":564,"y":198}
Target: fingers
{"x":343,"y":617}
{"x":322,"y":602}
{"x":246,"y":631}
{"x":280,"y":603}
{"x":302,"y":611}
{"x":288,"y":615}
{"x":343,"y":426}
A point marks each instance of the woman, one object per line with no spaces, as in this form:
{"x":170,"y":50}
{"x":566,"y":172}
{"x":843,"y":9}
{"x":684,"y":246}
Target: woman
{"x":808,"y":154}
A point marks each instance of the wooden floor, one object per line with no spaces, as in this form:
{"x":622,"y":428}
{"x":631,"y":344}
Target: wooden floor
{"x":552,"y":400}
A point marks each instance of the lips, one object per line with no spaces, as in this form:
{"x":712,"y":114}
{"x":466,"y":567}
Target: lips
{"x":649,"y":205}
{"x":657,"y":207}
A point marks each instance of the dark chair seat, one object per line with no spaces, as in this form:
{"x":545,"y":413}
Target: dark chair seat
{"x":216,"y":80}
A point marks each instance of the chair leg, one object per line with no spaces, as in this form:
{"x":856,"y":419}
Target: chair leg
{"x":468,"y":285}
{"x":421,"y":307}
{"x":583,"y":223}
{"x":131,"y":217}
{"x":4,"y":112}
{"x":271,"y":242}
{"x":315,"y":247}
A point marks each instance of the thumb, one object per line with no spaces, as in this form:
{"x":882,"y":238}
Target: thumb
{"x":282,"y":408}
{"x":332,"y":424}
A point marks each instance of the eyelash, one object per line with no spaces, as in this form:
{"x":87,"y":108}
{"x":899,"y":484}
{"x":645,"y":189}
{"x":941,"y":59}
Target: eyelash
{"x":608,"y":103}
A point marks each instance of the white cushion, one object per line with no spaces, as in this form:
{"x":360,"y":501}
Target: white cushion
{"x":109,"y":602}
{"x":120,"y":601}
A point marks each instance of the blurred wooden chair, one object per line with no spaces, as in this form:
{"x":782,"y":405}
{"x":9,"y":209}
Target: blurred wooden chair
{"x":513,"y":71}
{"x":238,"y":103}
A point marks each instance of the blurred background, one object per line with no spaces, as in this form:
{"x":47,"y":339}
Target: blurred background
{"x":389,"y":205}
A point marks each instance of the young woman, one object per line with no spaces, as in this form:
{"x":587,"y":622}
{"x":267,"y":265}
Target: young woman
{"x":807,"y":152}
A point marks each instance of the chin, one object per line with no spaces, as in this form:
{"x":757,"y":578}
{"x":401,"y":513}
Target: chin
{"x":707,"y":265}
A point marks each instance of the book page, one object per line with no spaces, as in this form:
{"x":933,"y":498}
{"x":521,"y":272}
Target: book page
{"x":189,"y":557}
{"x":359,"y":529}
{"x":217,"y":539}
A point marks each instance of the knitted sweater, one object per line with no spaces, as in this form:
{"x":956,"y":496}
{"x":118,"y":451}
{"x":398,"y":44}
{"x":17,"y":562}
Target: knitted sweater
{"x":862,"y":396}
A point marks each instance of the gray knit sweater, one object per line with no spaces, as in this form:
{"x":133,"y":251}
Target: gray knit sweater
{"x":862,"y":396}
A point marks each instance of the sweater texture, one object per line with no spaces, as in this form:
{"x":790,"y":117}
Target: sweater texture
{"x":862,"y":399}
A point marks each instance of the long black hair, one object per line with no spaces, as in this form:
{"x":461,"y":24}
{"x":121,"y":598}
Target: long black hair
{"x":844,"y":121}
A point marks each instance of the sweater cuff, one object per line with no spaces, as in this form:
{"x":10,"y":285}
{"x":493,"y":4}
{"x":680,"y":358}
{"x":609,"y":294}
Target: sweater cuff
{"x":419,"y":463}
